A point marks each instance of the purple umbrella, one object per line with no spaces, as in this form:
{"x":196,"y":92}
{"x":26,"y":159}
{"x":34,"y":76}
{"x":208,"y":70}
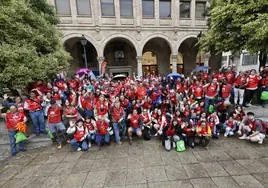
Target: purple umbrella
{"x":83,"y":71}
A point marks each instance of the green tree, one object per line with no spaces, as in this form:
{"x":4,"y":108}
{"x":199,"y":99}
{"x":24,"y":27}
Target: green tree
{"x":30,"y":42}
{"x":235,"y":25}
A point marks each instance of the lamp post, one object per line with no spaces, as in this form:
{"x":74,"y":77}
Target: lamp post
{"x":83,"y":41}
{"x":198,"y":37}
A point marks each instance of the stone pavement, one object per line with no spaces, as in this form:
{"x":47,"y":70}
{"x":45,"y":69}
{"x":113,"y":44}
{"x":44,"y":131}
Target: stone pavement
{"x":228,"y":163}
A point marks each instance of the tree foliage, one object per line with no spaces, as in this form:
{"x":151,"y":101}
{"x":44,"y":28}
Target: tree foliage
{"x":30,"y":46}
{"x":235,"y":25}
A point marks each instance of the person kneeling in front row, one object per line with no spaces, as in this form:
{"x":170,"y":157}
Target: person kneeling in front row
{"x":79,"y":142}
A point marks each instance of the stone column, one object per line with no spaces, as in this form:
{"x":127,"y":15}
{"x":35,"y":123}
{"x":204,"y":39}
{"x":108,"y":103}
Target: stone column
{"x":100,"y":60}
{"x":174,"y":63}
{"x":117,"y":11}
{"x":139,"y":66}
{"x":193,"y":12}
{"x":156,"y":12}
{"x":73,"y":10}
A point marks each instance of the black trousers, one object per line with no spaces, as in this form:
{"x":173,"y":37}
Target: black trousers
{"x":249,"y":95}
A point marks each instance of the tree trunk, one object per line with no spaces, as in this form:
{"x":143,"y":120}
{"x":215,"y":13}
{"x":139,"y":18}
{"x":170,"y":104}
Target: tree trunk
{"x":262,"y":59}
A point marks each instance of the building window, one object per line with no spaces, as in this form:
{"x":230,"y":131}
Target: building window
{"x":185,"y":9}
{"x":63,"y":7}
{"x":200,"y":8}
{"x":107,"y":7}
{"x":249,"y":59}
{"x":165,"y":8}
{"x":83,"y":7}
{"x":126,"y":8}
{"x":148,"y":8}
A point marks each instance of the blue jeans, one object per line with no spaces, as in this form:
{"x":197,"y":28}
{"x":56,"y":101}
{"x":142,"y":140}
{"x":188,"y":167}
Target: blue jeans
{"x":208,"y":102}
{"x":89,"y":113}
{"x":100,"y":137}
{"x":76,"y":145}
{"x":13,"y":146}
{"x":38,"y":120}
{"x":91,"y":137}
{"x":116,"y":132}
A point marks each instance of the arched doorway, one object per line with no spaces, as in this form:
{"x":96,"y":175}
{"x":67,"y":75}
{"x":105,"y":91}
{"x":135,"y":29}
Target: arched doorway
{"x":180,"y":65}
{"x":120,"y":55}
{"x":149,"y":63}
{"x":189,"y":51}
{"x":75,"y":48}
{"x":160,"y":49}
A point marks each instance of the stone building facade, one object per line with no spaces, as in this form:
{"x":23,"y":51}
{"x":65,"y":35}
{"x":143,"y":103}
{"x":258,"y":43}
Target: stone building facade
{"x":133,"y":36}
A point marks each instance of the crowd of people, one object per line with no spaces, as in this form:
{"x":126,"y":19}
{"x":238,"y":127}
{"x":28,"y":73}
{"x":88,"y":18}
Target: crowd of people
{"x":195,"y":108}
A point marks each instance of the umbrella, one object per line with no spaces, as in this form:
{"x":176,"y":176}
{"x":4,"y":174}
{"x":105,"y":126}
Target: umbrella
{"x":200,"y":68}
{"x":120,"y":77}
{"x":83,"y":71}
{"x":175,"y":76}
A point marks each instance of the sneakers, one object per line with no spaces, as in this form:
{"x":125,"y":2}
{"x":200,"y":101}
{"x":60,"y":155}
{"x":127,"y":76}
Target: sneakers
{"x":174,"y":145}
{"x":244,"y":137}
{"x":239,"y":132}
{"x":59,"y":146}
{"x":249,"y":104}
{"x":79,"y":149}
{"x":89,"y":145}
{"x":231,"y":133}
{"x":119,"y":143}
{"x":262,"y":136}
{"x":225,"y":135}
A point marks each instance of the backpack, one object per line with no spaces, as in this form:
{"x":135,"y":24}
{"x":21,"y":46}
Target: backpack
{"x":180,"y":146}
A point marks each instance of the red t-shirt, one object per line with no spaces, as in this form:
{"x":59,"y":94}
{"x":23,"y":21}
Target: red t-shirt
{"x":12,"y":119}
{"x":226,"y":90}
{"x":253,"y":82}
{"x":134,"y":121}
{"x":102,"y":127}
{"x":54,"y":115}
{"x":212,"y":90}
{"x":33,"y":105}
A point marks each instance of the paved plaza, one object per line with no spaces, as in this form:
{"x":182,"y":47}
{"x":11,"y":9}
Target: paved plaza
{"x":228,"y":163}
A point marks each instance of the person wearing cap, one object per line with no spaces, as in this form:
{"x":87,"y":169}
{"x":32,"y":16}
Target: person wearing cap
{"x":240,"y":84}
{"x":55,"y":124}
{"x":12,"y":118}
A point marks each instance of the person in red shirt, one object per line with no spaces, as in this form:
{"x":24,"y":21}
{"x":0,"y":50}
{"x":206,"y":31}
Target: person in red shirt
{"x":55,"y":124}
{"x":211,"y":93}
{"x":102,"y":131}
{"x":225,"y":90}
{"x":90,"y":124}
{"x":135,"y":125}
{"x":171,"y":134}
{"x":33,"y":105}
{"x":12,"y":118}
{"x":230,"y":126}
{"x":263,"y":85}
{"x":252,"y":85}
{"x":197,"y":90}
{"x":79,"y":142}
{"x":240,"y":84}
{"x":203,"y":132}
{"x":229,"y":76}
{"x":118,"y":119}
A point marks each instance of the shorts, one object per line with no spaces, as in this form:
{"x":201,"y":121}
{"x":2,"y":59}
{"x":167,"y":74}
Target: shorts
{"x":135,"y":130}
{"x":54,"y":127}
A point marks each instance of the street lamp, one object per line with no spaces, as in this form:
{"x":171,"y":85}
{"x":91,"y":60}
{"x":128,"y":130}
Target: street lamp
{"x":83,"y":41}
{"x":198,"y":37}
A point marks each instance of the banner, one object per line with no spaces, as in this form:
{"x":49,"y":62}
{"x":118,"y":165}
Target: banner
{"x":103,"y":67}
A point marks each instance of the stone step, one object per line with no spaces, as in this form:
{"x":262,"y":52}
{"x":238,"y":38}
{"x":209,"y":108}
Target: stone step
{"x":259,"y":111}
{"x":33,"y":142}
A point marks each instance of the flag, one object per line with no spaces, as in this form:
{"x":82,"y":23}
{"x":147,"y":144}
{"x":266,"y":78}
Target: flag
{"x":103,"y":67}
